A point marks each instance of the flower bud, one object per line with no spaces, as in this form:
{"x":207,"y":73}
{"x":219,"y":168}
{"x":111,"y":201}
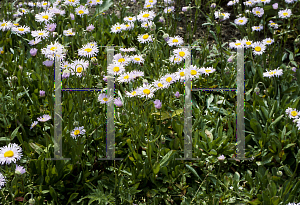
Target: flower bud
{"x":256,"y":89}
{"x":31,"y":201}
{"x":5,"y":72}
{"x":275,"y":6}
{"x":153,"y":27}
{"x":14,"y":78}
{"x":213,"y":5}
{"x":279,"y":173}
{"x":161,"y":19}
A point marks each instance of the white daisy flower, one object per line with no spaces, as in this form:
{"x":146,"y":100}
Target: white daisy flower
{"x":293,"y":113}
{"x":130,"y":19}
{"x":21,"y":29}
{"x":221,"y":16}
{"x":40,"y":34}
{"x":20,"y":170}
{"x":208,"y":70}
{"x":241,"y":21}
{"x":258,"y":48}
{"x":69,"y":32}
{"x":268,"y":41}
{"x":117,"y":28}
{"x":125,"y":78}
{"x":257,"y":28}
{"x":127,"y":26}
{"x":160,"y":84}
{"x":181,"y":74}
{"x":273,"y":25}
{"x":144,"y":38}
{"x":1,"y":50}
{"x":127,"y":49}
{"x":148,"y":6}
{"x":193,"y":72}
{"x":169,"y":78}
{"x":237,"y":44}
{"x":10,"y":153}
{"x":136,"y":74}
{"x":81,"y":10}
{"x":168,"y":1}
{"x":35,"y":41}
{"x":175,"y":59}
{"x":44,"y":4}
{"x":138,"y":59}
{"x":285,"y":13}
{"x":5,"y":25}
{"x":169,"y":9}
{"x":88,"y":50}
{"x":175,"y":41}
{"x":247,"y":43}
{"x":66,"y":65}
{"x":132,"y":93}
{"x":72,"y":2}
{"x":119,"y":58}
{"x":79,"y":66}
{"x":115,"y":69}
{"x":78,"y":131}
{"x":257,"y":11}
{"x":147,"y":24}
{"x":265,"y":1}
{"x":249,"y":3}
{"x":277,"y":72}
{"x":181,"y":52}
{"x":103,"y":98}
{"x":44,"y":118}
{"x":54,"y":49}
{"x":153,"y":2}
{"x":34,"y":124}
{"x":146,"y":16}
{"x":290,"y":1}
{"x":44,"y":17}
{"x":146,"y":91}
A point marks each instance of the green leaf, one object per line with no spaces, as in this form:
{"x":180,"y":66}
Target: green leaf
{"x":289,"y":145}
{"x":177,"y":112}
{"x":288,"y":171}
{"x":277,"y":120}
{"x":53,"y":193}
{"x":162,"y":115}
{"x":156,"y":168}
{"x":166,"y":158}
{"x":73,"y":196}
{"x":14,"y":133}
{"x":36,"y":148}
{"x":255,"y":126}
{"x":193,"y":171}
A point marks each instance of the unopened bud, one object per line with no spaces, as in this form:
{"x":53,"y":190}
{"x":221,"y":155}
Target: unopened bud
{"x":256,"y":89}
{"x":31,"y":201}
{"x":279,"y":173}
{"x":5,"y":72}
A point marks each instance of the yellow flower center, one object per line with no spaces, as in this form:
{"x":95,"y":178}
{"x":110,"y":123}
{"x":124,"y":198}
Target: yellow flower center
{"x":105,"y":99}
{"x":121,"y":60}
{"x":160,"y":85}
{"x":9,"y":154}
{"x":168,"y":79}
{"x":53,"y":48}
{"x":40,"y":34}
{"x":237,"y":44}
{"x":151,"y":1}
{"x":126,"y":77}
{"x":2,"y":52}
{"x":80,"y":11}
{"x":181,"y":53}
{"x":79,"y":69}
{"x":21,"y":29}
{"x":119,"y":27}
{"x":137,"y":59}
{"x":146,"y":25}
{"x":272,"y":24}
{"x":176,"y":59}
{"x":46,"y":17}
{"x":258,"y":12}
{"x":285,"y":13}
{"x":116,"y":69}
{"x":294,"y":113}
{"x":16,"y":24}
{"x":248,"y":43}
{"x":241,"y":20}
{"x":145,"y":36}
{"x":193,"y":72}
{"x":76,"y":132}
{"x":88,"y":50}
{"x":175,"y":41}
{"x":127,"y":25}
{"x":146,"y":15}
{"x":169,"y":10}
{"x":181,"y":73}
{"x":257,"y":27}
{"x":257,"y":48}
{"x":23,"y":10}
{"x":272,"y":73}
{"x":222,"y":14}
{"x":130,"y":18}
{"x":98,"y":1}
{"x":4,"y":24}
{"x":148,"y":5}
{"x":45,"y":3}
{"x":207,"y":71}
{"x":92,"y":44}
{"x":269,"y":41}
{"x":71,"y":0}
{"x":146,"y":91}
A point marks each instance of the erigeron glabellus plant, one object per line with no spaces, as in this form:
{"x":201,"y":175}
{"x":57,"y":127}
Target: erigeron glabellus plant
{"x":149,"y":73}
